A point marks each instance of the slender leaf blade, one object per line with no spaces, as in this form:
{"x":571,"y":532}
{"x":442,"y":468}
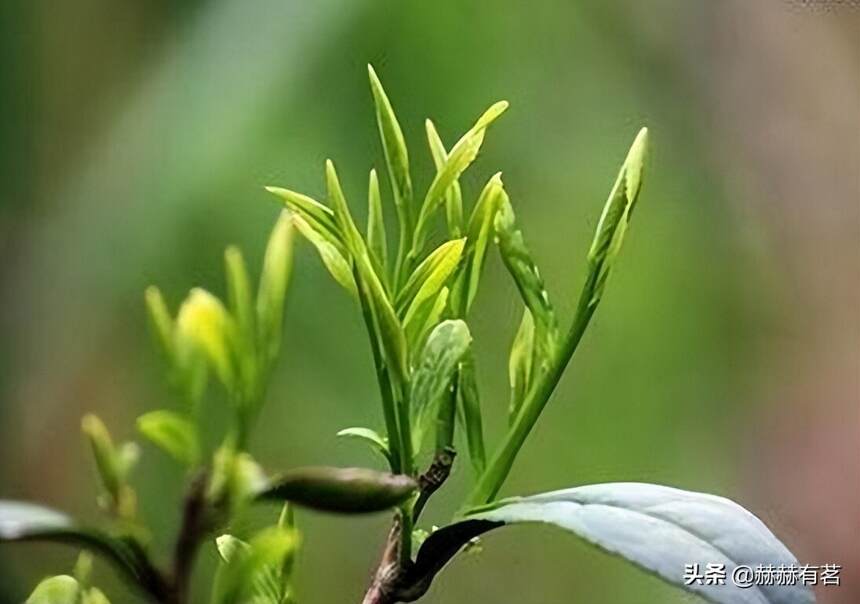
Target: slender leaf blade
{"x":274,"y":278}
{"x":454,"y":194}
{"x":376,"y":241}
{"x":477,"y":241}
{"x":462,"y":154}
{"x":332,"y":258}
{"x":376,"y":441}
{"x":393,"y":146}
{"x":318,"y":215}
{"x":658,"y":528}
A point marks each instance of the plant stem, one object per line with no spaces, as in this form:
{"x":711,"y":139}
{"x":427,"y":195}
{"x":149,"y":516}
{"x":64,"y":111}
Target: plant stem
{"x":388,"y":407}
{"x":194,"y":528}
{"x":497,"y":472}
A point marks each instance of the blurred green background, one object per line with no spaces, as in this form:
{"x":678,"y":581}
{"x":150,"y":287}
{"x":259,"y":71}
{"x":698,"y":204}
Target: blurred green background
{"x":134,"y":144}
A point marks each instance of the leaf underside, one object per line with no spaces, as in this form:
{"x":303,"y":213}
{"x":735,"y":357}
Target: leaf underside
{"x":658,"y":528}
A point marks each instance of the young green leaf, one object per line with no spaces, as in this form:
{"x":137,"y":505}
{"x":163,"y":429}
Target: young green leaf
{"x":424,"y":318}
{"x":616,"y":216}
{"x":462,"y":155}
{"x":61,"y":589}
{"x":376,"y":441}
{"x":240,"y":298}
{"x":658,"y":528}
{"x":160,"y":321}
{"x":529,"y":282}
{"x":113,"y":465}
{"x":430,"y":276}
{"x":375,"y":222}
{"x":333,"y":259}
{"x":229,"y":547}
{"x":394,"y":147}
{"x":236,"y":479}
{"x":64,"y":589}
{"x":469,"y":404}
{"x":319,"y":216}
{"x":277,"y":265}
{"x":340,"y":490}
{"x":520,"y":363}
{"x":204,"y":325}
{"x":173,"y":433}
{"x":477,"y":242}
{"x":104,"y":453}
{"x":445,"y":347}
{"x":253,"y":571}
{"x":454,"y":195}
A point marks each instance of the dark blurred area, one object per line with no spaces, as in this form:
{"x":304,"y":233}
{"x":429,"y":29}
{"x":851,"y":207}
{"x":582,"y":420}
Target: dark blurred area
{"x":135,"y":141}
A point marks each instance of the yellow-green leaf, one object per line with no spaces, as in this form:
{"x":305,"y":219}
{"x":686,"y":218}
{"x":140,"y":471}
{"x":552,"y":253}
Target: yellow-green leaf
{"x":612,"y":226}
{"x":477,"y":241}
{"x":518,"y":260}
{"x":334,"y":261}
{"x":375,"y":222}
{"x":173,"y":433}
{"x":462,"y":155}
{"x":454,"y":195}
{"x":318,"y":215}
{"x":520,"y":363}
{"x":204,"y":324}
{"x":430,"y":276}
{"x":277,"y":265}
{"x":445,"y":347}
{"x":394,"y":147}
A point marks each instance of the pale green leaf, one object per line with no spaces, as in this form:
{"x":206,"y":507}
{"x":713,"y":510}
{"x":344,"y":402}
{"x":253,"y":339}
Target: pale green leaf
{"x":520,"y":363}
{"x":318,"y":215}
{"x":425,"y":318}
{"x":518,"y":260}
{"x":394,"y":147}
{"x":204,"y":325}
{"x":377,"y":442}
{"x":477,"y":241}
{"x":160,"y":321}
{"x":253,"y":574}
{"x":240,"y":298}
{"x":61,"y":589}
{"x":334,"y":261}
{"x":375,"y":223}
{"x":277,"y":265}
{"x":93,"y":595}
{"x":104,"y":454}
{"x":229,"y":547}
{"x":454,"y":195}
{"x":173,"y":433}
{"x":430,"y":277}
{"x":462,"y":154}
{"x":435,"y":368}
{"x":612,"y":226}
